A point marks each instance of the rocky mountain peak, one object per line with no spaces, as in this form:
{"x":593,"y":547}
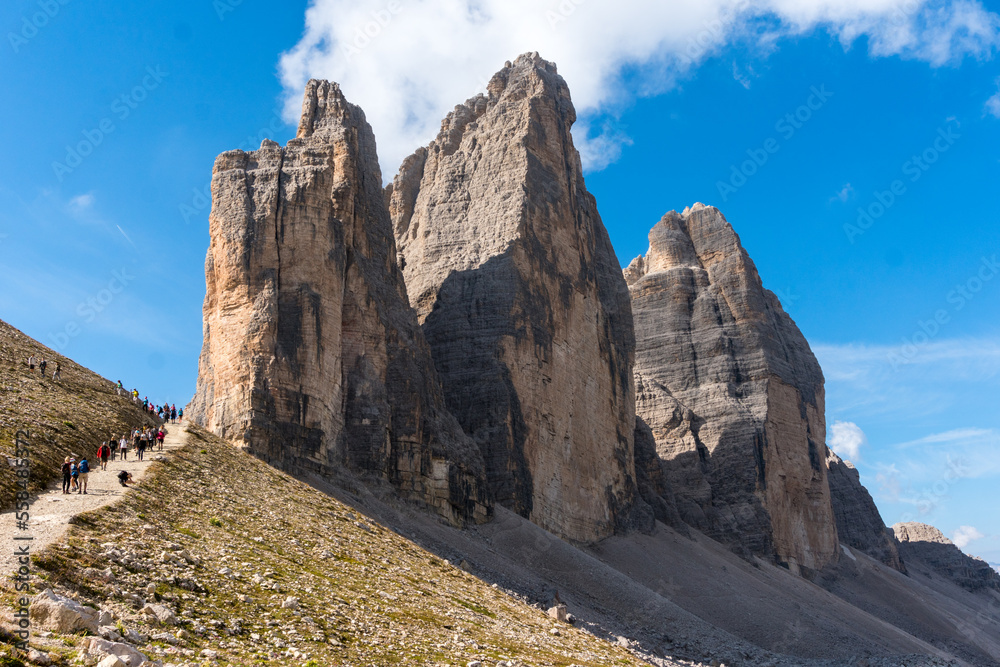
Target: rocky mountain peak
{"x":919,"y":542}
{"x":731,"y":392}
{"x":312,"y":357}
{"x":521,"y":298}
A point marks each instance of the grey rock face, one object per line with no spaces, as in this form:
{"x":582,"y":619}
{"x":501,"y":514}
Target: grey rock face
{"x":859,"y":523}
{"x":312,"y":356}
{"x":732,"y":394}
{"x":521,"y":298}
{"x":920,"y":542}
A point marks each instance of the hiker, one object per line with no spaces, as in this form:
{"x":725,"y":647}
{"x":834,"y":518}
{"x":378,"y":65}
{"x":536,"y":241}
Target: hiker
{"x":115,"y":447}
{"x":124,"y":478}
{"x":173,"y":415}
{"x":58,"y":374}
{"x":135,"y":396}
{"x":84,"y":470}
{"x":141,"y":449}
{"x":160,"y":435}
{"x":120,"y":389}
{"x":74,"y":472}
{"x":123,"y":449}
{"x":180,"y":414}
{"x":42,"y":366}
{"x":66,"y":473}
{"x":103,"y":454}
{"x":159,"y":412}
{"x":31,"y":363}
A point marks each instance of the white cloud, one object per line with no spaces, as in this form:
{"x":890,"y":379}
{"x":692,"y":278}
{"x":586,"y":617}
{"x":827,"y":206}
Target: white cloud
{"x":993,"y":103}
{"x":81,"y":203}
{"x":847,"y":439}
{"x":407,"y":62}
{"x":845,"y":193}
{"x":965,"y":535}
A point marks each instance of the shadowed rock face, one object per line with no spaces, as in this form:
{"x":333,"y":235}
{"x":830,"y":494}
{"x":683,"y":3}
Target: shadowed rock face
{"x":522,"y":300}
{"x":859,"y":523}
{"x":920,"y":542}
{"x":732,"y":394}
{"x":312,"y":356}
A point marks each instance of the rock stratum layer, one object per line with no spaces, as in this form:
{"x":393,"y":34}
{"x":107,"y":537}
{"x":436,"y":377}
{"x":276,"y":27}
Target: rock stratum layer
{"x":521,"y":298}
{"x":313,"y":358}
{"x":859,"y":523}
{"x":918,"y":541}
{"x":732,"y":394}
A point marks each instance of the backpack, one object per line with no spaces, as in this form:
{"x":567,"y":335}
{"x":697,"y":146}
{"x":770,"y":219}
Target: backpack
{"x":84,"y":467}
{"x":66,"y":469}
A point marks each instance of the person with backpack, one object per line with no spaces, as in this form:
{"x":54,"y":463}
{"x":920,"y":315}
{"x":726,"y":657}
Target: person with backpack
{"x":42,"y":366}
{"x":160,"y":435}
{"x":124,"y":477}
{"x":67,"y":473}
{"x":141,"y":449}
{"x":74,"y":473}
{"x":84,"y":472}
{"x":58,"y":374}
{"x":103,"y":454}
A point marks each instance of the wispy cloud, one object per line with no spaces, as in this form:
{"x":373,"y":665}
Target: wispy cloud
{"x":957,"y":436}
{"x":81,"y":203}
{"x":379,"y":52}
{"x":993,"y":103}
{"x":965,"y":535}
{"x":844,"y":193}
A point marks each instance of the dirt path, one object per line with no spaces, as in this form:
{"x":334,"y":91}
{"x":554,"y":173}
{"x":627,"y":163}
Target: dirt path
{"x":50,"y":511}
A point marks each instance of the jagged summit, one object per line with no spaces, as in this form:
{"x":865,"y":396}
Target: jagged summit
{"x":520,"y":295}
{"x":732,"y":393}
{"x":312,"y":356}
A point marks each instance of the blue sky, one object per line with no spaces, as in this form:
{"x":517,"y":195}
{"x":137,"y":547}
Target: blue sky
{"x":894,"y":111}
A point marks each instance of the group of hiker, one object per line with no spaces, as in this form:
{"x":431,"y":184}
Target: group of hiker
{"x":166,"y":412}
{"x":42,"y":365}
{"x":75,"y":473}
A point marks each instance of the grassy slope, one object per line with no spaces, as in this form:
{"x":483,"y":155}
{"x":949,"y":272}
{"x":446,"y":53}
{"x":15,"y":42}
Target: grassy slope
{"x":367,"y":596}
{"x":73,"y":415}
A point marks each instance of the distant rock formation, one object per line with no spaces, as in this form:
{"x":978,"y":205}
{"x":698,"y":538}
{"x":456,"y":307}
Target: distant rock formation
{"x":732,"y":394}
{"x":859,"y":523}
{"x":918,"y":541}
{"x":312,"y":356}
{"x":521,"y":298}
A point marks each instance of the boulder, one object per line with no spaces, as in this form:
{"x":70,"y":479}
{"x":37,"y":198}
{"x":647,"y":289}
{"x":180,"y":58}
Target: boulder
{"x":126,"y":653}
{"x":49,"y":611}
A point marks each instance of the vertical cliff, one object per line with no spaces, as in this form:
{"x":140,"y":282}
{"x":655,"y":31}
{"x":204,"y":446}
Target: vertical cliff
{"x":312,"y":356}
{"x":732,"y":394}
{"x":859,"y":523}
{"x":521,"y":298}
